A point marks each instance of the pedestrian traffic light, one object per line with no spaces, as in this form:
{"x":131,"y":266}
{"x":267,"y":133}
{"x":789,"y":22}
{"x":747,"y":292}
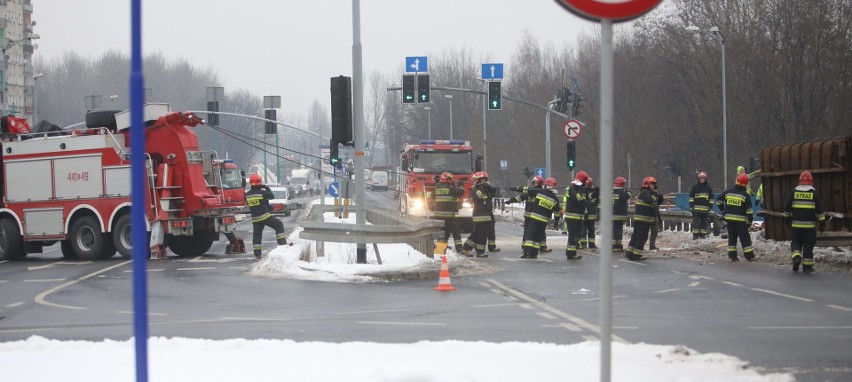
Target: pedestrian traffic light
{"x":572,"y":154}
{"x":424,"y":89}
{"x":495,"y":96}
{"x":341,"y":109}
{"x":334,"y":155}
{"x":408,"y":88}
{"x":271,"y":127}
{"x":578,"y":104}
{"x":213,"y":119}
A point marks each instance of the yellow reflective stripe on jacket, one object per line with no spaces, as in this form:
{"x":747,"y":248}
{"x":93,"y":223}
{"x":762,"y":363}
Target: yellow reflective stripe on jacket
{"x":804,"y":204}
{"x":539,"y":217}
{"x":804,"y":224}
{"x":261,"y":218}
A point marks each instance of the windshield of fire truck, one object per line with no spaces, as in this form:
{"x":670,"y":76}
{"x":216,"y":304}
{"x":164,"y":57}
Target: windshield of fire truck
{"x":231,"y":178}
{"x":437,"y":162}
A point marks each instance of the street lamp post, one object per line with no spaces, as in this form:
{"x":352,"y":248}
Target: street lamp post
{"x":450,"y":97}
{"x":714,"y":32}
{"x":429,"y":121}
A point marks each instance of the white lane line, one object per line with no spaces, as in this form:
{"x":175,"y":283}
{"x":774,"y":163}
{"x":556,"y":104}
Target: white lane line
{"x":732,"y":284}
{"x":570,"y":327}
{"x":42,"y":280}
{"x":843,"y":308}
{"x":800,"y":327}
{"x":402,"y":323}
{"x":576,"y":320}
{"x":149,"y":270}
{"x":26,"y":330}
{"x":240,"y":268}
{"x":40,"y":298}
{"x":495,"y":290}
{"x":375,"y":311}
{"x":196,"y":269}
{"x":625,"y":327}
{"x":496,"y":305}
{"x":633,"y":262}
{"x":695,"y":284}
{"x":526,"y":306}
{"x":149,"y":313}
{"x":596,"y":299}
{"x":540,"y":259}
{"x":253,"y":319}
{"x":3,"y":281}
{"x":547,"y":315}
{"x":667,"y":290}
{"x":695,"y":277}
{"x":706,"y":278}
{"x":14,"y":304}
{"x":783,"y":295}
{"x":591,"y":338}
{"x":484,"y":284}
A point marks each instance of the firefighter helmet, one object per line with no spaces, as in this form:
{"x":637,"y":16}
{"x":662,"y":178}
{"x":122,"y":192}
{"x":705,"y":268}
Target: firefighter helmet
{"x":702,"y":174}
{"x":742,"y":180}
{"x":550,"y":182}
{"x":477,"y":176}
{"x":589,"y":182}
{"x":806,"y":178}
{"x":740,"y":170}
{"x":648,"y":180}
{"x":538,"y":181}
{"x":446,"y":176}
{"x":619,"y":182}
{"x":581,"y":176}
{"x":255,"y":180}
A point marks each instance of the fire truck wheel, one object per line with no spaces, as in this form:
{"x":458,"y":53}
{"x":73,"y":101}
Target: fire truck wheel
{"x":189,"y":246}
{"x":88,"y":242}
{"x":67,"y":250}
{"x":11,"y":246}
{"x":121,"y":237}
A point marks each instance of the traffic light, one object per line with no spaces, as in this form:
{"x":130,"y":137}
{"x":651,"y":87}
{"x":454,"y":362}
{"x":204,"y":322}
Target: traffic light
{"x":271,"y":127}
{"x":572,"y":154}
{"x":564,"y":96}
{"x":495,"y":96}
{"x":424,"y":89}
{"x":578,"y":104}
{"x":408,"y":88}
{"x":213,"y":119}
{"x":334,"y":155}
{"x":341,"y":109}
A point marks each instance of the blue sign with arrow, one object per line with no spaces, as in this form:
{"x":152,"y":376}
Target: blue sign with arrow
{"x":334,"y":189}
{"x":416,"y":64}
{"x":492,"y":71}
{"x":540,"y":171}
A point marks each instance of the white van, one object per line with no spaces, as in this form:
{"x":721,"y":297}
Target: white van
{"x":379,"y":180}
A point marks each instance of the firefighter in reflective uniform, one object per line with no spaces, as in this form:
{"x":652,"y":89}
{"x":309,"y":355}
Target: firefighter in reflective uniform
{"x":528,"y":196}
{"x":257,"y":199}
{"x":805,"y":212}
{"x":620,"y":197}
{"x":573,"y":208}
{"x":446,"y":196}
{"x":643,"y":216}
{"x":736,"y":205}
{"x":544,"y":205}
{"x":700,"y":203}
{"x":482,"y":196}
{"x":587,"y":233}
{"x":657,"y":225}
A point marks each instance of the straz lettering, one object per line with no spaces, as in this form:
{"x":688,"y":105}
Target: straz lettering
{"x":734,"y":201}
{"x":803,"y":195}
{"x":442,"y":191}
{"x":547,"y":204}
{"x":252,"y":202}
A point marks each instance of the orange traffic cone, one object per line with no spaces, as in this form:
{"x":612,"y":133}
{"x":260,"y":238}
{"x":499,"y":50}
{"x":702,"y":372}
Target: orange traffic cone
{"x":444,"y":277}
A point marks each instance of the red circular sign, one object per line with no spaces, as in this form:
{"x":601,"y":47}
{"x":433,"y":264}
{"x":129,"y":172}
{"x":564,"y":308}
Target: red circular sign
{"x":615,"y":10}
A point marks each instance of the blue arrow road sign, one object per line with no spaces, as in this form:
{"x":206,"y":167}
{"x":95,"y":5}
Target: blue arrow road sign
{"x":334,"y":189}
{"x":492,"y":71}
{"x":417,"y":64}
{"x":540,"y":172}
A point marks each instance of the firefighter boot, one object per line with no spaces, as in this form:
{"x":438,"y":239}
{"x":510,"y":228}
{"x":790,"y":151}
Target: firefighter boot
{"x":257,"y":253}
{"x":797,"y":260}
{"x":808,"y":265}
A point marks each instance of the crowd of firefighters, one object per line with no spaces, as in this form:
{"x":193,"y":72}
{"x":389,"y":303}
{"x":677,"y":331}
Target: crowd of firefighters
{"x":578,"y":213}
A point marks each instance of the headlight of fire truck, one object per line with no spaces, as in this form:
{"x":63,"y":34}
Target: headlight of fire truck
{"x":417,"y":204}
{"x":466,"y":204}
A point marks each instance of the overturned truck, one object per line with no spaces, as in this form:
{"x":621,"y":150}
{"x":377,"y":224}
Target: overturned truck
{"x":829,"y":162}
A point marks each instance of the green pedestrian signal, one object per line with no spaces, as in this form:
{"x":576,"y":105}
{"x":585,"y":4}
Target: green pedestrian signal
{"x":495,"y":96}
{"x":408,"y":91}
{"x":572,"y":154}
{"x":423,"y":89}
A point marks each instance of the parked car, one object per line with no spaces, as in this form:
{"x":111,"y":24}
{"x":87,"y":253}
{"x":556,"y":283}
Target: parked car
{"x":282,"y":195}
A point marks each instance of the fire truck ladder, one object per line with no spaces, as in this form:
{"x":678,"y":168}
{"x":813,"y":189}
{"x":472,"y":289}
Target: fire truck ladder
{"x":167,"y":193}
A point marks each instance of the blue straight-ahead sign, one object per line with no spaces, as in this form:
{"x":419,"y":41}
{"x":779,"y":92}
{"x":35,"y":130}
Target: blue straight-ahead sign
{"x":416,"y":64}
{"x":492,"y":71}
{"x":540,"y":171}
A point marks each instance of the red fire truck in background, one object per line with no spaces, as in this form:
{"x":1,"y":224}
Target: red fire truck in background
{"x":421,"y":165}
{"x":74,"y":187}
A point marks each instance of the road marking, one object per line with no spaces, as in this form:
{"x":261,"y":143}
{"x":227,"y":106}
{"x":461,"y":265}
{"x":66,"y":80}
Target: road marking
{"x":625,"y":327}
{"x":526,"y":306}
{"x":3,"y":281}
{"x":570,"y":327}
{"x":375,"y":311}
{"x":26,"y":330}
{"x":196,"y":269}
{"x":595,"y":299}
{"x":496,"y":305}
{"x":402,"y":323}
{"x":633,"y":262}
{"x":547,"y":315}
{"x":240,"y":268}
{"x":783,"y":295}
{"x":541,"y":305}
{"x":51,"y":265}
{"x":706,"y":278}
{"x":666,"y":290}
{"x":695,"y":284}
{"x":592,"y":338}
{"x":42,"y":280}
{"x":540,"y":259}
{"x":695,"y":277}
{"x":495,"y":290}
{"x":149,"y":270}
{"x":14,"y":304}
{"x":4,"y":261}
{"x":843,"y":308}
{"x":149,"y":313}
{"x":800,"y":327}
{"x":730,"y":283}
{"x":484,"y":284}
{"x":40,"y":298}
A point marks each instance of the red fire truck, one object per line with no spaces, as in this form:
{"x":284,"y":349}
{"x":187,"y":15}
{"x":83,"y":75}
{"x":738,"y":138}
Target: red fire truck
{"x":423,"y":163}
{"x":74,"y":187}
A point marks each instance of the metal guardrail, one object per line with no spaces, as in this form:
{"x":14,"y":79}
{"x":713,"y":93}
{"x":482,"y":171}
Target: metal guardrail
{"x":387,"y":227}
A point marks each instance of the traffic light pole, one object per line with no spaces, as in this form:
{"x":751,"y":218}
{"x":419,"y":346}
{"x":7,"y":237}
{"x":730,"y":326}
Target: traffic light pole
{"x":547,"y":137}
{"x":358,"y":124}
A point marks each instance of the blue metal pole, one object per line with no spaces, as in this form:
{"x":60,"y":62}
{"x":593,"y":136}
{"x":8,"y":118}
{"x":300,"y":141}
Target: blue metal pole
{"x":137,"y":181}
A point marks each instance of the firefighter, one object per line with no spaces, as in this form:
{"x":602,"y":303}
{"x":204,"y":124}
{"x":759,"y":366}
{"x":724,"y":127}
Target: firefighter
{"x":736,"y":205}
{"x":573,"y":208}
{"x":643,"y":217}
{"x":446,"y":196}
{"x":257,"y":199}
{"x":657,"y":225}
{"x":804,"y":211}
{"x":482,"y":196}
{"x":527,"y":195}
{"x":620,"y":197}
{"x":700,"y":199}
{"x":742,"y":170}
{"x":544,"y":205}
{"x":590,"y":216}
